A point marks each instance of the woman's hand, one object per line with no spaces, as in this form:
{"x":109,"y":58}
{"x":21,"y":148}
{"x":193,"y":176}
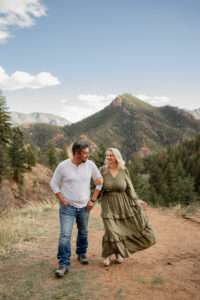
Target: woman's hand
{"x":140,"y":206}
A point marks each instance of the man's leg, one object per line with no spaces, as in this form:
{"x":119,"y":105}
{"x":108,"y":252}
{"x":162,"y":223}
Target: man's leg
{"x":67,"y":215}
{"x":82,"y":236}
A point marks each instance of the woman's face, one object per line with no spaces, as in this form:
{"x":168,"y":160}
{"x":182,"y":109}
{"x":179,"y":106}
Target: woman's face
{"x":110,"y":158}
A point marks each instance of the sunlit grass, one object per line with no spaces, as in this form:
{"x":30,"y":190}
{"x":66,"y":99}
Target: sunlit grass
{"x":19,"y":226}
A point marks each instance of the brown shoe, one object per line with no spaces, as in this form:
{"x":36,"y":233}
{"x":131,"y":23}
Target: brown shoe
{"x":83,"y":259}
{"x":61,"y":271}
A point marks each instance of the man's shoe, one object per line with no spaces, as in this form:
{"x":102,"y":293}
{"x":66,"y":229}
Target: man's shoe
{"x":61,"y":271}
{"x":83,"y":259}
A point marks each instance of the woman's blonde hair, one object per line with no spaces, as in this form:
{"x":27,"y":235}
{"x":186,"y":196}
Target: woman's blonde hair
{"x":118,"y":157}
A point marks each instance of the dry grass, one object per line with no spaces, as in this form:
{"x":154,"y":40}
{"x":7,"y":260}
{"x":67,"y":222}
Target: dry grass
{"x":18,"y":226}
{"x":183,"y":211}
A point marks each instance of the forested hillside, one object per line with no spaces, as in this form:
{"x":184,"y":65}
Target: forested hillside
{"x":170,"y":176}
{"x":127,"y":123}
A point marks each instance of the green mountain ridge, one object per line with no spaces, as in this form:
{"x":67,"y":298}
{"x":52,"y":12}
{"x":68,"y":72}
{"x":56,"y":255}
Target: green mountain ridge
{"x":129,"y":124}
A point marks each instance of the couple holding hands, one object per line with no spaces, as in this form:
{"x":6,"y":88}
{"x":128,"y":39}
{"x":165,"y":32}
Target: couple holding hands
{"x":127,"y":228}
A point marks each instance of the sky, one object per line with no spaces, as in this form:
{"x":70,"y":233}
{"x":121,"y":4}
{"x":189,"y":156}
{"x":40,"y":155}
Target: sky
{"x":73,"y":57}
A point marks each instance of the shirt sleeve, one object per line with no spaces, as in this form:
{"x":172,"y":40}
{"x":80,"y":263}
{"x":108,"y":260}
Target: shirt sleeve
{"x":95,"y":172}
{"x":56,"y":180}
{"x":130,"y":189}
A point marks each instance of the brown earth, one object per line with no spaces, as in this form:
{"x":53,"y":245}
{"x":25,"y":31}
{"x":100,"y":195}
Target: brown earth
{"x":168,"y":270}
{"x":35,"y":189}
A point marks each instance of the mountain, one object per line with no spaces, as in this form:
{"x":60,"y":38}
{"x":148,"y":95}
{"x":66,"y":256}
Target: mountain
{"x":195,"y":113}
{"x":37,"y":117}
{"x":130,"y":125}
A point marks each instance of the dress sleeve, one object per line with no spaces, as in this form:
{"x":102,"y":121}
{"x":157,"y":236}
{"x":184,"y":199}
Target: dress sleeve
{"x":130,"y":189}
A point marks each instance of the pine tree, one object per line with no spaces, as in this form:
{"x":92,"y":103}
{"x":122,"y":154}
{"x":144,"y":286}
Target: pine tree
{"x":30,"y":157}
{"x":172,"y":183}
{"x":52,"y":158}
{"x":17,"y":154}
{"x":63,"y":154}
{"x":186,"y":193}
{"x":99,"y":156}
{"x":5,"y":130}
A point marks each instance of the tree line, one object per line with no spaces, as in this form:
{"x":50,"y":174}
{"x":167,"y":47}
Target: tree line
{"x":16,"y":158}
{"x":169,"y":177}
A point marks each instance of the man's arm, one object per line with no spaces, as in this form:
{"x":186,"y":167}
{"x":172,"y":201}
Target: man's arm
{"x":98,"y":183}
{"x":55,"y":185}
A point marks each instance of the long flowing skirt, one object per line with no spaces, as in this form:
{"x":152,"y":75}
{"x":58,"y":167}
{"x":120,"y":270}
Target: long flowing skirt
{"x":127,"y":228}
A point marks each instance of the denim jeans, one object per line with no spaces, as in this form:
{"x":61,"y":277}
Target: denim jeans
{"x":67,"y":216}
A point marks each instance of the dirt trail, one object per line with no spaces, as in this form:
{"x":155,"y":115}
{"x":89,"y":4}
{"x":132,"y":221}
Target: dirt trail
{"x":168,"y":270}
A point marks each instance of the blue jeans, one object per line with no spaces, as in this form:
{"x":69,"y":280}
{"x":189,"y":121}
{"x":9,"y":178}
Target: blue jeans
{"x":67,"y":215}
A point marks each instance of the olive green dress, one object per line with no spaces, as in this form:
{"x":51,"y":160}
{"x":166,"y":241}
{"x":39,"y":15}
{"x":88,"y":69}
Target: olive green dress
{"x":127,"y":228}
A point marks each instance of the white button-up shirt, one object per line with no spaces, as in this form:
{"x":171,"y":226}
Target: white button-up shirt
{"x":74,"y":181}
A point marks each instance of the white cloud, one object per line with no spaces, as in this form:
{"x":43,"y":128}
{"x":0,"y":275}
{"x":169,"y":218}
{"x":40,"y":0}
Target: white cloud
{"x":18,"y":13}
{"x":154,"y":100}
{"x":75,"y":113}
{"x":21,"y":80}
{"x":86,"y":105}
{"x":96,"y":101}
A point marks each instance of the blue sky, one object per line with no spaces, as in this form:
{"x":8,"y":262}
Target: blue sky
{"x":72,"y":57}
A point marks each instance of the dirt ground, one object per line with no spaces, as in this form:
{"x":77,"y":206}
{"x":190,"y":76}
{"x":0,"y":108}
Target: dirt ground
{"x":168,"y":270}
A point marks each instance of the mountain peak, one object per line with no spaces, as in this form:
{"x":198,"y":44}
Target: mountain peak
{"x":131,"y":102}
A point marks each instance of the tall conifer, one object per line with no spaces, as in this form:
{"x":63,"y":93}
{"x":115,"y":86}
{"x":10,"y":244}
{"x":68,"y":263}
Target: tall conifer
{"x":17,"y":154}
{"x":5,"y":129}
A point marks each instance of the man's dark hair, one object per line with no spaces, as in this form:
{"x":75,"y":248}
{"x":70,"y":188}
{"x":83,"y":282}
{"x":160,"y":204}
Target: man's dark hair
{"x":78,"y":146}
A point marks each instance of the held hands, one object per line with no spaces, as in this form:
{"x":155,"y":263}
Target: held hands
{"x":90,"y":205}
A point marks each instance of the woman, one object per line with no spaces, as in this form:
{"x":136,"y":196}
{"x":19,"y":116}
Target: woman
{"x":127,"y":228}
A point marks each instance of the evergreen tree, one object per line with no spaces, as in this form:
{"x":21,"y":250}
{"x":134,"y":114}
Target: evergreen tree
{"x":171,"y":179}
{"x":30,"y":157}
{"x":17,"y":154}
{"x":99,"y":156}
{"x":52,"y":158}
{"x":186,"y":193}
{"x":5,"y":130}
{"x":63,"y":154}
{"x":156,"y":177}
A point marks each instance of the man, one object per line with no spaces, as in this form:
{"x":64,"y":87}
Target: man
{"x":71,"y":184}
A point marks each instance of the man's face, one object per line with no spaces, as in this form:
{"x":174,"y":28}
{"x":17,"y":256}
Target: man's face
{"x":83,"y":155}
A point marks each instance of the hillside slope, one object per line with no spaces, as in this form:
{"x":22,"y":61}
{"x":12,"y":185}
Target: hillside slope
{"x":35,"y":189}
{"x":127,"y":123}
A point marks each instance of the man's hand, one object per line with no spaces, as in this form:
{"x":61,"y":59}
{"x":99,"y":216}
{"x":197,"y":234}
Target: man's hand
{"x":65,"y":203}
{"x":62,"y":201}
{"x":90,"y":205}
